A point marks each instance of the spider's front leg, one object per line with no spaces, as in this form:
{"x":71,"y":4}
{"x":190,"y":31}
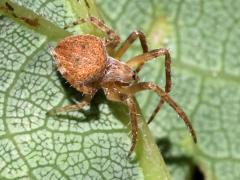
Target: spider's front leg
{"x":112,"y":94}
{"x":73,"y":107}
{"x":139,"y":60}
{"x":134,"y":125}
{"x":131,"y":90}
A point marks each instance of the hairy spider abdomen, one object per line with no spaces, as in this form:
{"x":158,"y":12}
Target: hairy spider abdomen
{"x":80,"y":59}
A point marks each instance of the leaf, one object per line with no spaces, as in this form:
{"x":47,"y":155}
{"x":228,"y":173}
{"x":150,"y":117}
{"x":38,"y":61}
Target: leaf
{"x":89,"y":144}
{"x":203,"y":38}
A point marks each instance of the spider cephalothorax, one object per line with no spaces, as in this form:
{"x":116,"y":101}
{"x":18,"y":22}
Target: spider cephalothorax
{"x":84,"y":61}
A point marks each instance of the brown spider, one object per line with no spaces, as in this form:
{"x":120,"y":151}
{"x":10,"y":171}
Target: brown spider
{"x":84,"y":62}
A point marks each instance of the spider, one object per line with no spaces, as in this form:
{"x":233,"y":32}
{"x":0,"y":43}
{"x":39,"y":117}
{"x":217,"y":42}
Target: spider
{"x":85,"y":62}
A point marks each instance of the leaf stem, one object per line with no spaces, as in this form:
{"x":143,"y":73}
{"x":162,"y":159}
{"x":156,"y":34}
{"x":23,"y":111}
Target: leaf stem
{"x":30,"y":19}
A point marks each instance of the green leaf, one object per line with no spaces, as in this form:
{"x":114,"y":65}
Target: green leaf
{"x":90,"y":144}
{"x":203,"y":38}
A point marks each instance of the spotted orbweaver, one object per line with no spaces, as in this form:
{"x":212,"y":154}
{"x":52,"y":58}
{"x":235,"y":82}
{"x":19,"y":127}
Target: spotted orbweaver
{"x":84,"y":61}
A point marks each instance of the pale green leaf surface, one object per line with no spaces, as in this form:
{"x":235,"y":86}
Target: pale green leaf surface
{"x":89,"y":144}
{"x":203,"y":38}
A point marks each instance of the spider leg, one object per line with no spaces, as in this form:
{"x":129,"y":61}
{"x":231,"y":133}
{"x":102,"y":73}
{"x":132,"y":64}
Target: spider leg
{"x":73,"y":107}
{"x":128,"y":100}
{"x":112,"y":40}
{"x":155,"y":111}
{"x":141,"y":59}
{"x":128,"y":42}
{"x":134,"y":125}
{"x":131,"y":90}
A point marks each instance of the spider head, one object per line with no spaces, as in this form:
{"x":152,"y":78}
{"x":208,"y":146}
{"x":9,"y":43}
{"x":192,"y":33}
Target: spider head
{"x":119,"y":72}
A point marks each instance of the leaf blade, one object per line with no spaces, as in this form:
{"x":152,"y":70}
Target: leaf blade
{"x":47,"y":146}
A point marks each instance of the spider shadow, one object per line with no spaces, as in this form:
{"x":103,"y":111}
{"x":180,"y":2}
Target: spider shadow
{"x":74,"y":96}
{"x":165,"y":147}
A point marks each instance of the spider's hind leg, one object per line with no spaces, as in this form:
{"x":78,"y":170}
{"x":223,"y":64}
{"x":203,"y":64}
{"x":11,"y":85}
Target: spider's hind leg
{"x":112,"y":40}
{"x":73,"y":107}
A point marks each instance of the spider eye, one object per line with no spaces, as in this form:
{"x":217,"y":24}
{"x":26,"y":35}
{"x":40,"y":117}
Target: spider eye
{"x":135,"y":77}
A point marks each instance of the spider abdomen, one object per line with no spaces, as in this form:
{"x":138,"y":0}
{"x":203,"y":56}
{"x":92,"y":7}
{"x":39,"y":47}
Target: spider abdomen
{"x":81,"y":59}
